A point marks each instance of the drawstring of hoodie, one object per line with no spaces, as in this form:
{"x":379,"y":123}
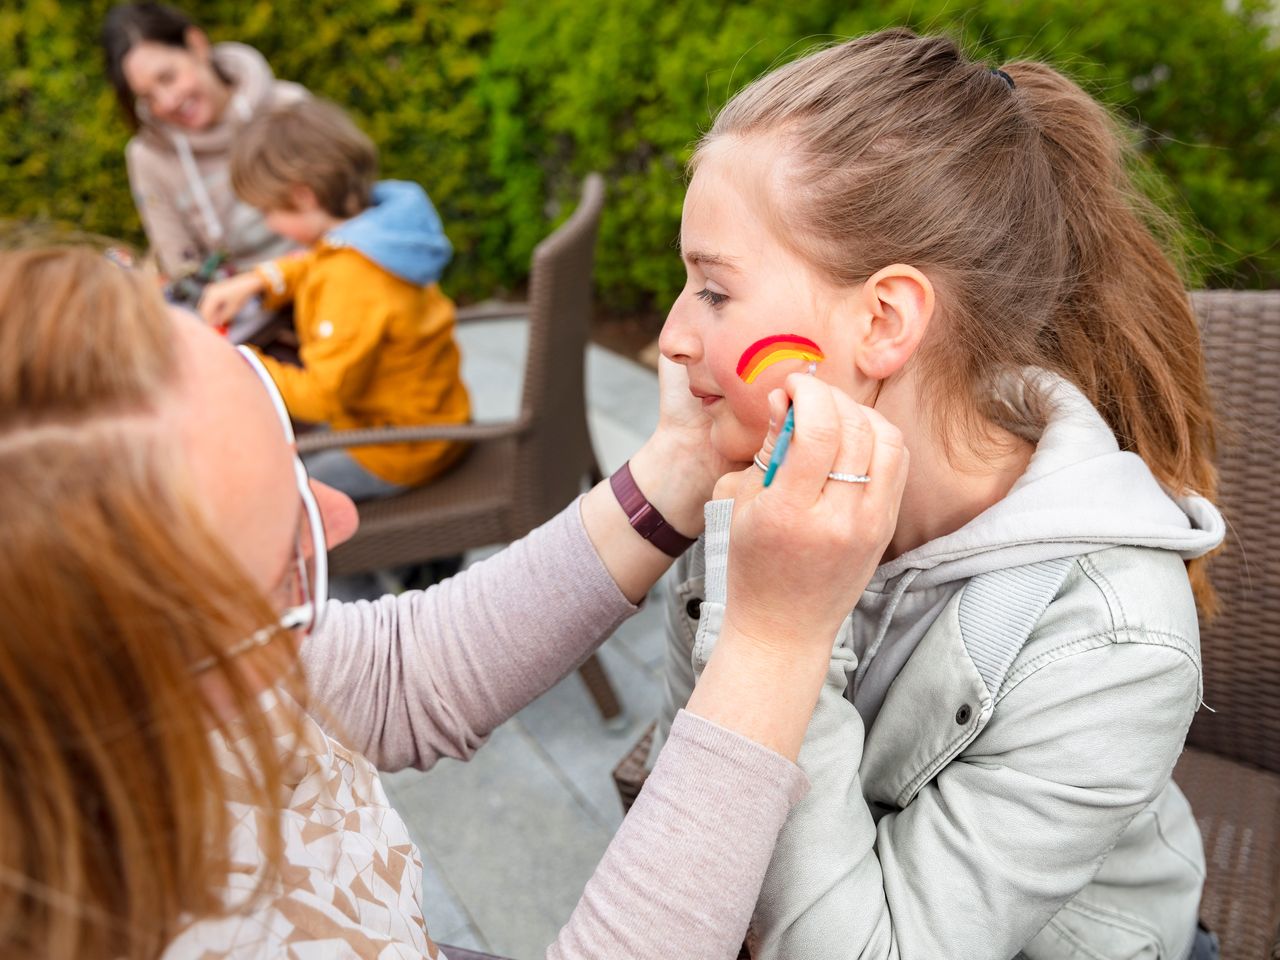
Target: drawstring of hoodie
{"x":198,"y":189}
{"x":239,"y":103}
{"x":882,"y":629}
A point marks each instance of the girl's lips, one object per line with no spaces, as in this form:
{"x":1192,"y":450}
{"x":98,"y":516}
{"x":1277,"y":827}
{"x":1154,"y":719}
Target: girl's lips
{"x":707,"y":398}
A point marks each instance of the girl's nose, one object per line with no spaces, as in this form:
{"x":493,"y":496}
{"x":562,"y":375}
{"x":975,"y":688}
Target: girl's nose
{"x":679,"y":339}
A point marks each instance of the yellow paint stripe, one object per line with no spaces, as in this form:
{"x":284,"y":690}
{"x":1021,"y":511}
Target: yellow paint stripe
{"x":775,"y":356}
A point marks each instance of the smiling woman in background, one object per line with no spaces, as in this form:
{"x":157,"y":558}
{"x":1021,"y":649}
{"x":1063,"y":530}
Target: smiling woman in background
{"x":187,"y":99}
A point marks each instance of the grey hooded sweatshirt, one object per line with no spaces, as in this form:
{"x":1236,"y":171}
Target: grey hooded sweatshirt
{"x":1080,"y":493}
{"x":1038,"y":818}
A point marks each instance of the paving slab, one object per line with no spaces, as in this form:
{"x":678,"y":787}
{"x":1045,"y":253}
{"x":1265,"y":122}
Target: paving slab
{"x":565,"y":725}
{"x":449,"y":921}
{"x":512,"y":840}
{"x":509,"y":840}
{"x":493,"y":366}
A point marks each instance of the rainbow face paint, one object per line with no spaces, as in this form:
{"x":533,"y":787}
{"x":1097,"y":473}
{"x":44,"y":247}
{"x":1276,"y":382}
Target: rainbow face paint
{"x":765,"y":353}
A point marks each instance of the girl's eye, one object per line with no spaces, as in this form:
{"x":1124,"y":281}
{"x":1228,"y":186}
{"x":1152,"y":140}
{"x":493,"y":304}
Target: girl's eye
{"x":711,"y":297}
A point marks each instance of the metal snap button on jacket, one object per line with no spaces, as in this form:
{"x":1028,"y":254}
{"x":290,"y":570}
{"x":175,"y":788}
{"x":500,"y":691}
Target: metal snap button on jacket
{"x":694,"y":608}
{"x":963,"y":714}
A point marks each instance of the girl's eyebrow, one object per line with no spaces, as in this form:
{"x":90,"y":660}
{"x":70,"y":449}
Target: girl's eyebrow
{"x":713,"y":259}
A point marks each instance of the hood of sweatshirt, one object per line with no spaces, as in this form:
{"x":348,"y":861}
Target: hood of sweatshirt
{"x":400,"y":232}
{"x":252,"y":83}
{"x":1080,"y":493}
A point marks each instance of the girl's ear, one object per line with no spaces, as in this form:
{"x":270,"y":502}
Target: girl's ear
{"x":898,"y":301}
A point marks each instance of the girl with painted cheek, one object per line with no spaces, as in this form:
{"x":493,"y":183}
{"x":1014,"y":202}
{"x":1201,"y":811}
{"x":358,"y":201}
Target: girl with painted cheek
{"x":963,"y":249}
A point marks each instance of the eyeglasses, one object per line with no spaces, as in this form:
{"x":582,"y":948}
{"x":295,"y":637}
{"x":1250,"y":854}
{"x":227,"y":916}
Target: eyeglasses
{"x":306,"y":582}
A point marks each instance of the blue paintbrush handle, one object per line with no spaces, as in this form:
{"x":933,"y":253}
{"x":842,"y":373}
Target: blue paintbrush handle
{"x":780,"y":447}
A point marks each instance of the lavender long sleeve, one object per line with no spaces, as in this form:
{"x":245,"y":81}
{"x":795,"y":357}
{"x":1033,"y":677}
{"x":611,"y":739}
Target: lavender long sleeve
{"x":408,"y":679}
{"x":431,"y":673}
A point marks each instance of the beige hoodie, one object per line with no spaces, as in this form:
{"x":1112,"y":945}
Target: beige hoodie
{"x":181,"y":179}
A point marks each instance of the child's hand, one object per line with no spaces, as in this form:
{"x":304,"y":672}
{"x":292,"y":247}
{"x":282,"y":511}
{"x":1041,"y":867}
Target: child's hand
{"x":222,"y":300}
{"x":802,"y":551}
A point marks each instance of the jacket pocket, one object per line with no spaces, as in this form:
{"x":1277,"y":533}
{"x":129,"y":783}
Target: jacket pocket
{"x":1083,"y":931}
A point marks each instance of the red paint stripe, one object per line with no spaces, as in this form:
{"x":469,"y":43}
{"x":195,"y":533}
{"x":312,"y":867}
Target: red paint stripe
{"x":760,"y":346}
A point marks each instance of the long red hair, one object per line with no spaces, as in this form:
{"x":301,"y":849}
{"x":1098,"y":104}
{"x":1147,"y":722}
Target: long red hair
{"x":113,"y":809}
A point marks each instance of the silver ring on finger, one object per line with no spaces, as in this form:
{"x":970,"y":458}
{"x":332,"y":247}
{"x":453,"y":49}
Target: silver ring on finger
{"x":760,"y":463}
{"x":849,"y":477}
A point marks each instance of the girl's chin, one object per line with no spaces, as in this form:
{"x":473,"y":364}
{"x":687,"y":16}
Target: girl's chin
{"x":734,"y":447}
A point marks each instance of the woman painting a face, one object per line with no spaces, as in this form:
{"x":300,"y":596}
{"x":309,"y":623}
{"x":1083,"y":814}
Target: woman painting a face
{"x":175,"y":793}
{"x":964,"y":790}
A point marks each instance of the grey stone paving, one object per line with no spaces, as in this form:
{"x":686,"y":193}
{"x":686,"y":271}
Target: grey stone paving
{"x":509,"y":840}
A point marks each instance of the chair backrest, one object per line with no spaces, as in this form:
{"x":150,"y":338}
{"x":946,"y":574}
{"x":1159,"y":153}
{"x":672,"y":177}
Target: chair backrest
{"x":1240,"y":331}
{"x":555,"y":453}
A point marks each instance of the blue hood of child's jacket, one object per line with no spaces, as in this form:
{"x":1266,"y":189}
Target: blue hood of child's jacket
{"x":400,"y":232}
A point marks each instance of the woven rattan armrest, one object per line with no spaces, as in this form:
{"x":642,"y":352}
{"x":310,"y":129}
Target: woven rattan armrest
{"x":468,"y":432}
{"x":492,"y":311}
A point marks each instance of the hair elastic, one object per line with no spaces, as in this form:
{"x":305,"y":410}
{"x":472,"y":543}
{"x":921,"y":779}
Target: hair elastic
{"x":1005,"y":77}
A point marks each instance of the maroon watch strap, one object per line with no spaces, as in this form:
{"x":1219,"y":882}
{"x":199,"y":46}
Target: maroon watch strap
{"x":644,"y":516}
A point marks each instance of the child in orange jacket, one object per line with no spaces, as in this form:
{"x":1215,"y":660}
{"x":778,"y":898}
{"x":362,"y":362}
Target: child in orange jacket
{"x":375,"y":331}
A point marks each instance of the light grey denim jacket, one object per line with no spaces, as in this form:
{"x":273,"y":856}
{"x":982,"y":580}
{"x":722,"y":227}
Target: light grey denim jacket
{"x":1037,"y":818}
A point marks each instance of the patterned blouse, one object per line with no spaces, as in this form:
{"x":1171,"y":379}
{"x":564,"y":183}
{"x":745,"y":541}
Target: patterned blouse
{"x":351,"y":877}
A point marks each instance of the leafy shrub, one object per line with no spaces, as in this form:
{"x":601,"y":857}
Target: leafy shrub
{"x":499,"y":108}
{"x":627,"y":87}
{"x":406,"y":71}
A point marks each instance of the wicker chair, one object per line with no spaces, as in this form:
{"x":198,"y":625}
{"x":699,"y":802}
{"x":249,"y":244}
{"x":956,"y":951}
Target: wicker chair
{"x":517,"y":474}
{"x":1231,"y":769}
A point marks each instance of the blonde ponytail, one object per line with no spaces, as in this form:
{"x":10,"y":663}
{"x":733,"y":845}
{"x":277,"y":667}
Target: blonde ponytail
{"x":1124,"y":330}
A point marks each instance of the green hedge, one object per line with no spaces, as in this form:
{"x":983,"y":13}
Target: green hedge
{"x":498,"y":108}
{"x":407,"y":71}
